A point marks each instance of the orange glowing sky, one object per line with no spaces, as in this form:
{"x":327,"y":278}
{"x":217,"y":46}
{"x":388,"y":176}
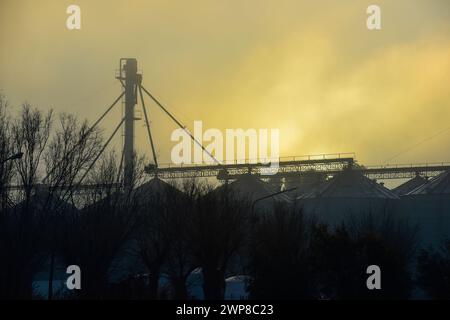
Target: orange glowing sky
{"x":309,"y":68}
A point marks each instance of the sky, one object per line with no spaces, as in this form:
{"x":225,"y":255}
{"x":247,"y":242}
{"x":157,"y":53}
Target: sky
{"x":312,"y":69}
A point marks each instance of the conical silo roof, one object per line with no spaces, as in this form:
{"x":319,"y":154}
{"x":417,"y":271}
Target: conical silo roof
{"x":305,"y":183}
{"x":436,"y":186}
{"x":144,"y":193}
{"x":252,"y":187}
{"x":409,"y":185}
{"x":155,"y":185}
{"x":43,"y":199}
{"x":154,"y":188}
{"x":351,"y":184}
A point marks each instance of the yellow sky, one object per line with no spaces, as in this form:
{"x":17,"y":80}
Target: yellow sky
{"x":309,"y":68}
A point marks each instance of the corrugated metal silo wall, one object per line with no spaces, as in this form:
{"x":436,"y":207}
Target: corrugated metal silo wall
{"x":432,"y":215}
{"x":334,"y":211}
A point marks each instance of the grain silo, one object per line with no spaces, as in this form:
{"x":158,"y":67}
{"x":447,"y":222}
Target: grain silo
{"x":348,"y":193}
{"x":429,"y":207}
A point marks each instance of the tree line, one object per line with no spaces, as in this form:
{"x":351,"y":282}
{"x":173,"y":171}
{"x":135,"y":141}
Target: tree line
{"x":170,"y":230}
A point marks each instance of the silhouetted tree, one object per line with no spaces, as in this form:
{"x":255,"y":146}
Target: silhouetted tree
{"x":6,"y":150}
{"x":278,"y":256}
{"x":6,"y":229}
{"x":96,"y":235}
{"x":180,"y":261}
{"x":217,"y":229}
{"x":24,"y":226}
{"x":340,"y":259}
{"x":72,"y":148}
{"x":153,"y":236}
